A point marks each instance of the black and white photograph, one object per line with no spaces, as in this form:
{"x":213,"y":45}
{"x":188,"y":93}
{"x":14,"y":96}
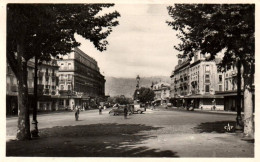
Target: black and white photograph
{"x":128,"y":80}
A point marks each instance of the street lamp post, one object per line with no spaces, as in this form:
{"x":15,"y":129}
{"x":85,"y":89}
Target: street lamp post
{"x":35,"y":131}
{"x":137,"y":86}
{"x":137,"y":94}
{"x":239,"y":125}
{"x":138,"y":80}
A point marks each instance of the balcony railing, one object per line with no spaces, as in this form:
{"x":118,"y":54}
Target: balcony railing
{"x":66,"y":68}
{"x":30,"y":90}
{"x":40,"y":74}
{"x":46,"y":91}
{"x":207,"y":81}
{"x":65,"y":92}
{"x":53,"y":92}
{"x":193,"y":92}
{"x":14,"y":88}
{"x":53,"y":78}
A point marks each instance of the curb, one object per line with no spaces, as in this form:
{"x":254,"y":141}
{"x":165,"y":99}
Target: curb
{"x":201,"y":111}
{"x":48,"y":113}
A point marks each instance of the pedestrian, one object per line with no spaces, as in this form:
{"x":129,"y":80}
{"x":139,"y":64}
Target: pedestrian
{"x":100,"y":109}
{"x":192,"y":105}
{"x":183,"y":103}
{"x":214,"y":104}
{"x":125,"y":112}
{"x":76,"y":113}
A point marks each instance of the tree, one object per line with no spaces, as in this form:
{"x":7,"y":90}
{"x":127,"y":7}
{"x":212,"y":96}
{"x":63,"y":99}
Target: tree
{"x":122,"y":100}
{"x":45,"y":30}
{"x":216,"y":27}
{"x":144,"y":94}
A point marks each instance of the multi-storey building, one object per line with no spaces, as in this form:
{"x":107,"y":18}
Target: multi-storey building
{"x":205,"y":81}
{"x":47,"y":87}
{"x":206,"y":86}
{"x":172,"y":90}
{"x":162,"y":92}
{"x":180,"y":81}
{"x":181,"y":78}
{"x":229,"y":90}
{"x":48,"y":81}
{"x":80,"y":81}
{"x":197,"y":81}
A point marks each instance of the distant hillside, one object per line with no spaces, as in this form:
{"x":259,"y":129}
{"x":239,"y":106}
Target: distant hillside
{"x":126,"y":86}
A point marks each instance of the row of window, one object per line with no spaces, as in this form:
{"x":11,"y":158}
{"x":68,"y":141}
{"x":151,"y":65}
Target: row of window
{"x":63,"y":76}
{"x":62,"y":87}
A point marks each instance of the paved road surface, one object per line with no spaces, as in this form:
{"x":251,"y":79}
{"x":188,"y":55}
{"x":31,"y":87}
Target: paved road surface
{"x":152,"y":134}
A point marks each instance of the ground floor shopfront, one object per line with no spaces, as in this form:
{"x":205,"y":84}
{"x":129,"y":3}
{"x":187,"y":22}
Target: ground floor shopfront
{"x":204,"y":102}
{"x":53,"y":103}
{"x":70,"y":103}
{"x":230,"y":100}
{"x":223,"y":101}
{"x":45,"y":103}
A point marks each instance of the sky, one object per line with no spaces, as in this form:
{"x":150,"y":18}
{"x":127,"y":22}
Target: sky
{"x":142,"y":43}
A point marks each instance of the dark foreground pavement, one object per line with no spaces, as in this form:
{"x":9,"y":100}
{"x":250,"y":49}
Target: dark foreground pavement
{"x":153,"y":134}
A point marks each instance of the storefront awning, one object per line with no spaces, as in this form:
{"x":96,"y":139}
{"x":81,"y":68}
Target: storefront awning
{"x":228,"y":93}
{"x":204,"y":96}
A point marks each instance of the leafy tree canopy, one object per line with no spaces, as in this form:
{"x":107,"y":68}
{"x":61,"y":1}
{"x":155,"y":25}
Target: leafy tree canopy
{"x":45,"y":30}
{"x":210,"y":28}
{"x":144,"y":94}
{"x":49,"y":29}
{"x":122,"y":100}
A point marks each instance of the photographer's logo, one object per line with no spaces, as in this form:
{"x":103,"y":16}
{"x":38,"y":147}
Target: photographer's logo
{"x":228,"y":128}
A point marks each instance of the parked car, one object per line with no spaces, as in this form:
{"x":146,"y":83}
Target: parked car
{"x":137,"y":108}
{"x":169,"y":104}
{"x":118,"y":110}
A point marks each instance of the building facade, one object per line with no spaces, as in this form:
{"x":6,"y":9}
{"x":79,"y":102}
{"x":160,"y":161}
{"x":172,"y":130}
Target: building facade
{"x":229,"y":90}
{"x":180,"y":78}
{"x":47,"y":87}
{"x":196,"y":82}
{"x":162,"y":92}
{"x":80,"y":81}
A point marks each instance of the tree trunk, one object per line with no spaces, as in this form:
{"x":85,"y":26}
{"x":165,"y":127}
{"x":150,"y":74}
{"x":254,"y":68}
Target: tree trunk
{"x":248,"y":103}
{"x":248,"y":113}
{"x":23,"y":132}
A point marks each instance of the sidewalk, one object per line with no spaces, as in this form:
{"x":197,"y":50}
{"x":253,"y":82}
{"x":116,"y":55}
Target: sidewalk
{"x":199,"y":110}
{"x":40,"y":113}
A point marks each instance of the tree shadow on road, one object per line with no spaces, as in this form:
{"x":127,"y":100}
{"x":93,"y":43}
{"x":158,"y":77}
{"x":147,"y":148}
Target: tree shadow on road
{"x":218,"y":127}
{"x":95,"y":140}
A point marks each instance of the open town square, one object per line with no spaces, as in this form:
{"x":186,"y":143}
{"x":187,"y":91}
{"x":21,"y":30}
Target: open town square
{"x":128,"y":80}
{"x":155,"y":133}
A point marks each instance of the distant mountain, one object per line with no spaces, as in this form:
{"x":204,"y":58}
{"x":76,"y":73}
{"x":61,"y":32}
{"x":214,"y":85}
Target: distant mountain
{"x":126,"y":86}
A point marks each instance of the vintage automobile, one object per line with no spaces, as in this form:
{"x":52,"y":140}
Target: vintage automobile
{"x":137,"y":108}
{"x":119,"y":110}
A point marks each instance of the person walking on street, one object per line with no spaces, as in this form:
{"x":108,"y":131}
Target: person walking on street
{"x":100,"y":109}
{"x":183,"y":103}
{"x":125,"y":112}
{"x":192,"y":105}
{"x":76,"y":113}
{"x":214,"y":104}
